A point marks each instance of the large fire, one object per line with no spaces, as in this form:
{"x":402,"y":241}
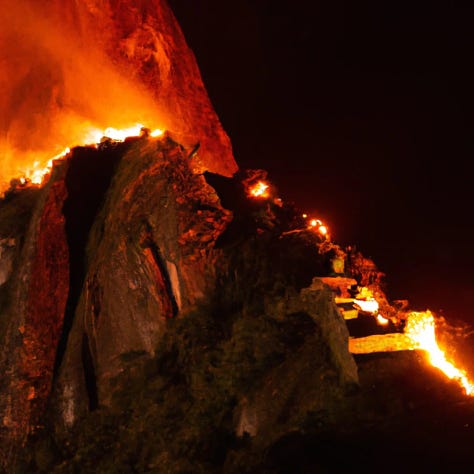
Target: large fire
{"x":38,"y":171}
{"x":260,"y":190}
{"x":70,"y":68}
{"x":59,"y":88}
{"x":36,"y":174}
{"x":353,"y":297}
{"x":420,"y":328}
{"x":419,"y":334}
{"x":62,"y":85}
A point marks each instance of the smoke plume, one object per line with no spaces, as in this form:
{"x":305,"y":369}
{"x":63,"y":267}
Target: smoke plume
{"x":67,"y":67}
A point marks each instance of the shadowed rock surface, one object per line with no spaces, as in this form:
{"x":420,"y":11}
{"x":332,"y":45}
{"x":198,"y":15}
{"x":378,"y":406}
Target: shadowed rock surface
{"x":149,"y":328}
{"x":153,"y":317}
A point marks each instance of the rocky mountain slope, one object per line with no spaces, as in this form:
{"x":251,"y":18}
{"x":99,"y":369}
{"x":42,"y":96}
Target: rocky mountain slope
{"x":68,"y":68}
{"x":127,"y":244}
{"x":155,"y":318}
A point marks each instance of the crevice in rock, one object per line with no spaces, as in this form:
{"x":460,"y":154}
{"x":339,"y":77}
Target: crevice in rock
{"x":161,"y":264}
{"x":90,"y":171}
{"x":89,"y":373}
{"x":230,"y":190}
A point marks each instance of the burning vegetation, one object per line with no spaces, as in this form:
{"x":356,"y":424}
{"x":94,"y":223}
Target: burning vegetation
{"x":409,"y":330}
{"x":244,"y":343}
{"x":356,"y":282}
{"x":69,"y":70}
{"x":421,"y":330}
{"x":37,"y":174}
{"x":415,"y":330}
{"x":266,"y":299}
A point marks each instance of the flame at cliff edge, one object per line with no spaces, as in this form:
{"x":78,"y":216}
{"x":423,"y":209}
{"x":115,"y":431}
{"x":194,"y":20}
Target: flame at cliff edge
{"x":420,"y":328}
{"x":57,"y":87}
{"x":67,"y":67}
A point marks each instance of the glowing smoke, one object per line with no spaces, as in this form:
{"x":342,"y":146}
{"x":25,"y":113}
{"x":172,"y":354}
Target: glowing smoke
{"x":67,"y":66}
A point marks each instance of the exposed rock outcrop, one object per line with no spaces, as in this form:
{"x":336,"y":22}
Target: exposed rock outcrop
{"x":149,"y":258}
{"x":163,"y":321}
{"x":34,"y":296}
{"x":128,"y":260}
{"x":68,"y":66}
{"x":153,"y":316}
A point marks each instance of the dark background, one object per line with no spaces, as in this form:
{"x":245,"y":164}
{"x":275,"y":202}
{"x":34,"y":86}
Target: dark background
{"x":362,"y":114}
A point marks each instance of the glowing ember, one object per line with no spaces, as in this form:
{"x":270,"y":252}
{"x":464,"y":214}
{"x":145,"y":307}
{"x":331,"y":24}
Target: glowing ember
{"x":381,"y":320}
{"x":96,"y":135}
{"x":157,"y":133}
{"x":38,"y":172}
{"x":368,"y":306}
{"x":420,"y":328}
{"x":323,"y":230}
{"x":318,"y":226}
{"x":260,"y":190}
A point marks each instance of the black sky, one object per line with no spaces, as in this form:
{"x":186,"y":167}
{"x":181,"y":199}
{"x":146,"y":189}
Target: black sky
{"x":362,"y":113}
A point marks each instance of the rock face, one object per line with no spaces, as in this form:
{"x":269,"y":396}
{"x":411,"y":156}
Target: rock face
{"x":153,"y":317}
{"x":33,"y":303}
{"x":141,"y":270}
{"x":67,"y":66}
{"x":150,"y":257}
{"x":162,"y":321}
{"x":148,"y":266}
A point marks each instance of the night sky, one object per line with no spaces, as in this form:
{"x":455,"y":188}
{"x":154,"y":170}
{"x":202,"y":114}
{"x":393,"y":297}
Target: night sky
{"x":362,"y":114}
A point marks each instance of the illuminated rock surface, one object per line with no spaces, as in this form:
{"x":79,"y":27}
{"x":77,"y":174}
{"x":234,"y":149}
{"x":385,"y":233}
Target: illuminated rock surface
{"x":194,"y":335}
{"x":68,"y":66}
{"x":32,"y":306}
{"x":126,"y":249}
{"x":155,"y":318}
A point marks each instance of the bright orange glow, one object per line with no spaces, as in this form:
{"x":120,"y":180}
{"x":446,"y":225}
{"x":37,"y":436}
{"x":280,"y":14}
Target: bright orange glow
{"x":260,"y":190}
{"x":62,"y":85}
{"x":367,"y":301}
{"x":323,"y":230}
{"x":381,"y":320}
{"x":95,"y":135}
{"x":318,"y":226}
{"x":157,"y":133}
{"x":38,"y":171}
{"x":420,"y":328}
{"x":368,"y":305}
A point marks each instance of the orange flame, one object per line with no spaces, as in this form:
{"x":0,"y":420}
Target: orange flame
{"x":369,"y":305}
{"x":323,"y":230}
{"x":37,"y":173}
{"x":260,"y":190}
{"x":382,"y":320}
{"x":95,"y":135}
{"x":318,"y":226}
{"x":420,"y":328}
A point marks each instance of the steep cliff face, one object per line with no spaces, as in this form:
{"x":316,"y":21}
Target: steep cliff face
{"x":156,"y":319}
{"x":34,"y":294}
{"x":69,"y":67}
{"x":127,"y":263}
{"x":150,"y":257}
